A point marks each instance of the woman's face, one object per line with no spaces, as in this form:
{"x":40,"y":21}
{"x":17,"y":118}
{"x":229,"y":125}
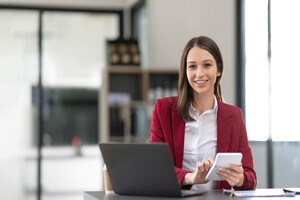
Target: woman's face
{"x":201,"y":70}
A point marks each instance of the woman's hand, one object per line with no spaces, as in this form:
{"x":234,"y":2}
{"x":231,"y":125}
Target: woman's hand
{"x":234,"y":175}
{"x":198,"y":177}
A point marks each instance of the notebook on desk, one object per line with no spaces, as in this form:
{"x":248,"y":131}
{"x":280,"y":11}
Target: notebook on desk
{"x":142,"y":169}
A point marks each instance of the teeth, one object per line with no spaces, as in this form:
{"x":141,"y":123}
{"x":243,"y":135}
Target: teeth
{"x":200,"y":82}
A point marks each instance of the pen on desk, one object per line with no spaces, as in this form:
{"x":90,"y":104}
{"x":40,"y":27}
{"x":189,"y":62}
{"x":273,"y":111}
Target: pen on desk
{"x":228,"y":192}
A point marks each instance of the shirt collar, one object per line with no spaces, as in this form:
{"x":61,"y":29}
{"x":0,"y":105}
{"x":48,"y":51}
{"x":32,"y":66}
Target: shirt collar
{"x":194,"y":112}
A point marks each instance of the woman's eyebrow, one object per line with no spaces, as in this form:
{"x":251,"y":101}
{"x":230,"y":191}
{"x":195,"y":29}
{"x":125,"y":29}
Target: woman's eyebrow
{"x":207,"y":60}
{"x":191,"y":62}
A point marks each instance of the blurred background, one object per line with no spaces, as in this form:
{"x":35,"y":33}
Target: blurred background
{"x":73,"y":73}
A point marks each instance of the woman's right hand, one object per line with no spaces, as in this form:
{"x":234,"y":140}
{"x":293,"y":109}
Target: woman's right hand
{"x":198,"y":177}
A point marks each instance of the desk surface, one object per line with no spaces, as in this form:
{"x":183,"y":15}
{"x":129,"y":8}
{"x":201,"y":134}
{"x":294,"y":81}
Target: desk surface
{"x":215,"y":195}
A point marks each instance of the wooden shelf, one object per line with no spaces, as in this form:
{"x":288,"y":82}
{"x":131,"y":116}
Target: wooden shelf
{"x":162,"y":71}
{"x":135,"y":116}
{"x":124,"y":69}
{"x":132,"y":104}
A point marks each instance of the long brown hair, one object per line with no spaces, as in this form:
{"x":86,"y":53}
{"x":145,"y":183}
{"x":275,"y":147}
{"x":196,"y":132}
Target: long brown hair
{"x":185,"y":91}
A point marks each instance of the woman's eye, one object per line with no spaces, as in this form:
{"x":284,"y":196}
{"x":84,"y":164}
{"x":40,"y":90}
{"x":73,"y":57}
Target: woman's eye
{"x":192,"y":66}
{"x":207,"y":65}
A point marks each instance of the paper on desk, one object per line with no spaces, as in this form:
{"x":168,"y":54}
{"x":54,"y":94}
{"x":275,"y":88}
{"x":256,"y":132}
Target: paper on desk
{"x":260,"y":193}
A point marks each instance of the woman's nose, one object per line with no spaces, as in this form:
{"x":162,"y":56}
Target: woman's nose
{"x":199,"y":71}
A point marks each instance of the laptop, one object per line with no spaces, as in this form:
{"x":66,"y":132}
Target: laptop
{"x":144,"y":169}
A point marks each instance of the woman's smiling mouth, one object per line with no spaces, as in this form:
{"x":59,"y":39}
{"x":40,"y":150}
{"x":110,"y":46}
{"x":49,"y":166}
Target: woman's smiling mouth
{"x":201,"y":82}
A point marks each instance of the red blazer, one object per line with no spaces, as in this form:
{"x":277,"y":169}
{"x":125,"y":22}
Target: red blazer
{"x":168,"y":127}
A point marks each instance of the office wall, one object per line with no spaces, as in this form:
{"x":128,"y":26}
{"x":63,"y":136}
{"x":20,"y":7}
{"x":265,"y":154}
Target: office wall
{"x":172,"y":23}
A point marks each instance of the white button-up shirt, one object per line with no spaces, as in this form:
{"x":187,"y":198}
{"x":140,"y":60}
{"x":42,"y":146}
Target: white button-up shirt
{"x":200,"y":141}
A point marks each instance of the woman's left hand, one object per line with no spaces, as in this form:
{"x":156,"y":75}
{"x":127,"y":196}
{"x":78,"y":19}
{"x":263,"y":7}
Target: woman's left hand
{"x":234,"y":175}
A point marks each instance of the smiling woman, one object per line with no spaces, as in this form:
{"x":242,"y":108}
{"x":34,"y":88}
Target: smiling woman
{"x":202,"y":73}
{"x":197,"y":124}
{"x":201,"y":49}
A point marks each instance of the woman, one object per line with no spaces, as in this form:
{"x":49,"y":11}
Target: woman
{"x":197,"y":124}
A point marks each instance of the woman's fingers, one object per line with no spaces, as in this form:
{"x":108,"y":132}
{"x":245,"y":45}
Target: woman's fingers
{"x":211,"y":161}
{"x":237,"y":168}
{"x":202,"y":170}
{"x":229,"y":172}
{"x":200,"y":167}
{"x":230,"y":179}
{"x":234,"y":174}
{"x":207,"y":163}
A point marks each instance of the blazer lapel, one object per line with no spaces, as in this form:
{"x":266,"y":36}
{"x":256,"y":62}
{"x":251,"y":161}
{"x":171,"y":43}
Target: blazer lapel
{"x":224,"y":128}
{"x":178,"y":128}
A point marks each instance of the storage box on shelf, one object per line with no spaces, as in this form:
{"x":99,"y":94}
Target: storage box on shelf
{"x":128,"y":97}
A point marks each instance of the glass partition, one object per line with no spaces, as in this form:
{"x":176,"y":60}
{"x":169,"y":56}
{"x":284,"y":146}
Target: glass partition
{"x":74,"y":55}
{"x":18,"y":73}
